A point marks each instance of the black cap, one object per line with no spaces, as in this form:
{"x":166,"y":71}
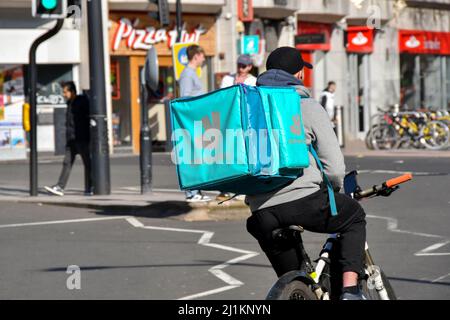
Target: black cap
{"x":288,"y":59}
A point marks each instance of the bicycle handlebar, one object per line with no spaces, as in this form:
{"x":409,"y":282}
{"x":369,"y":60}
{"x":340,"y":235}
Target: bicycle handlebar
{"x":398,"y":180}
{"x":385,"y":189}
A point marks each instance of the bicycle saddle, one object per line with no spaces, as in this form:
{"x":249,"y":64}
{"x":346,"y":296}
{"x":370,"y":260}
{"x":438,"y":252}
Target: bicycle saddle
{"x":288,"y":234}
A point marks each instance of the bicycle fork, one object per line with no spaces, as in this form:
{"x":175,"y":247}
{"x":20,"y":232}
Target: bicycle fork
{"x":375,"y":280}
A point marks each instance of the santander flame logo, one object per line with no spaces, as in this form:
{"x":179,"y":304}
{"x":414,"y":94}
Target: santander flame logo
{"x":412,"y":42}
{"x":360,"y":39}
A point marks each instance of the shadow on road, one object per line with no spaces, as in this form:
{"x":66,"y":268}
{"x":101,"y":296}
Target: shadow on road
{"x":163,"y":209}
{"x":200,"y":264}
{"x":420,"y":281}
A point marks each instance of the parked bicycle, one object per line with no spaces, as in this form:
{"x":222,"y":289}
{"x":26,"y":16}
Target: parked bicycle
{"x":324,"y":280}
{"x":392,"y":130}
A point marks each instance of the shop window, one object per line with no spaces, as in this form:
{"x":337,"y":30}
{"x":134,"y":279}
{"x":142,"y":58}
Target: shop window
{"x":447,"y":77}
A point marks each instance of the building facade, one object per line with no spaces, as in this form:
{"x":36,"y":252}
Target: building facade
{"x":379,"y":52}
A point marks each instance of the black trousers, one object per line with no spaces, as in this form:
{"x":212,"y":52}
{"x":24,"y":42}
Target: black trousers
{"x":72,"y":149}
{"x":313,"y":214}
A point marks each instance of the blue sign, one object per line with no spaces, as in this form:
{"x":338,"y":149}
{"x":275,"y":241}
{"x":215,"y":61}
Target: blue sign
{"x":250,"y":44}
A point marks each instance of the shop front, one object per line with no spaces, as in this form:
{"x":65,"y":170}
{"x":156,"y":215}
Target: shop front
{"x":58,"y":61}
{"x":359,"y":43}
{"x":313,"y":39}
{"x":424,"y":69}
{"x":131,"y":34}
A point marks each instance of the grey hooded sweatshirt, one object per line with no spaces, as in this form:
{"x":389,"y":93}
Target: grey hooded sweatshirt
{"x":319,"y":132}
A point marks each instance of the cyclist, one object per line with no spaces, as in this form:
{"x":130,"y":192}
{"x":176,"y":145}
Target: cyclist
{"x":305,"y":201}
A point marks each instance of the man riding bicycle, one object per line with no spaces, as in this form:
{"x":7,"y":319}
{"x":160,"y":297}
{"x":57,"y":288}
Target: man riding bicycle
{"x":305,"y":201}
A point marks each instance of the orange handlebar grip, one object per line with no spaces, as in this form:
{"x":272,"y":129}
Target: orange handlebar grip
{"x":398,"y":180}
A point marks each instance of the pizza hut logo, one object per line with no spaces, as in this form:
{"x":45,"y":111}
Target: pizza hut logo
{"x":412,"y":42}
{"x":144,"y":39}
{"x":360,"y":39}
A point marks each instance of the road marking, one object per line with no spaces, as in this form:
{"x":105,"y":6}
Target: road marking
{"x":403,"y":172}
{"x":60,"y":222}
{"x":426,"y":251}
{"x":392,"y":225}
{"x":217,"y":270}
{"x":441,"y":278}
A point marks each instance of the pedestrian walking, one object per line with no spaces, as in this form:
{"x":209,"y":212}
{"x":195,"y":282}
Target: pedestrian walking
{"x":191,"y":86}
{"x":243,"y":75}
{"x":327,"y":99}
{"x":77,"y":139}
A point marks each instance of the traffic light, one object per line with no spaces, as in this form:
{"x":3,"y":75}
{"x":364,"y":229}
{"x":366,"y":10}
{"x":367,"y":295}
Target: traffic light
{"x":163,"y":13}
{"x":49,"y":8}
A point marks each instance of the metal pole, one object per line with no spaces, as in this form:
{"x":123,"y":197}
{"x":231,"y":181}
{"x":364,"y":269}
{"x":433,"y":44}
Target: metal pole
{"x":98,"y":118}
{"x":146,"y":140}
{"x":179,"y":19}
{"x":32,"y":99}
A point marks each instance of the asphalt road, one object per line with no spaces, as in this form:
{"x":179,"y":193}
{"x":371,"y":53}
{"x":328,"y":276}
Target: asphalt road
{"x":147,"y":258}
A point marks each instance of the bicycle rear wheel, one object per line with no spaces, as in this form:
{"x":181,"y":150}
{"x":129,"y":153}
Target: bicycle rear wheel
{"x":296,"y":290}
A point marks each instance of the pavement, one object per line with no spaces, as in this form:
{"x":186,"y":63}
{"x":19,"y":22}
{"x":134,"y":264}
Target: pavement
{"x":167,"y":201}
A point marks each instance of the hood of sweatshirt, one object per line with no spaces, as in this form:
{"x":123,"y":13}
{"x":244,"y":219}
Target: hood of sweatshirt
{"x":281,"y":78}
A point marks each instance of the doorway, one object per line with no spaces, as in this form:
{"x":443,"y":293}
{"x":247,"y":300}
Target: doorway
{"x":359,"y":94}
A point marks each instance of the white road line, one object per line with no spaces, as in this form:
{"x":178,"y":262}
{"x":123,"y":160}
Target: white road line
{"x":60,"y":222}
{"x":208,"y":293}
{"x":434,"y":247}
{"x":403,"y":172}
{"x":217,"y":270}
{"x":441,"y":278}
{"x":392,"y":225}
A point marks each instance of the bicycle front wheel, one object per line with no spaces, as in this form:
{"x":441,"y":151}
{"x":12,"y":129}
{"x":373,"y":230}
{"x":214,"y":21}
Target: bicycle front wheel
{"x":435,"y":135}
{"x":370,"y":291}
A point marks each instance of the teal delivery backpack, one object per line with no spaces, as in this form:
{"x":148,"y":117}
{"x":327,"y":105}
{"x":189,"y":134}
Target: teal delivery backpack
{"x":241,"y":139}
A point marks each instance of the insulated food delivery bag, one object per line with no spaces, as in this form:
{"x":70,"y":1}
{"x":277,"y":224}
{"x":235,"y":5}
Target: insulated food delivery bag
{"x":241,"y":139}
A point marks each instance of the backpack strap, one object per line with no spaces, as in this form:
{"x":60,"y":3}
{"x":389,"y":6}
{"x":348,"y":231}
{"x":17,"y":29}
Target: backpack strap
{"x":325,"y":179}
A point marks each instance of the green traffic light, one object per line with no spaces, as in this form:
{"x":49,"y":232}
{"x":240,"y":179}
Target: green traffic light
{"x":49,"y":4}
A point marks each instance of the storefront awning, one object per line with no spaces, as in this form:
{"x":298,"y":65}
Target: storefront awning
{"x":424,"y":42}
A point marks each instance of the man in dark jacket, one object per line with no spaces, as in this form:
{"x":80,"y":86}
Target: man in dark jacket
{"x":77,"y":139}
{"x":305,"y":201}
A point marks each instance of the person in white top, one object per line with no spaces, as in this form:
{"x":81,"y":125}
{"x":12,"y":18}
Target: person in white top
{"x":327,"y":99}
{"x":244,"y":66}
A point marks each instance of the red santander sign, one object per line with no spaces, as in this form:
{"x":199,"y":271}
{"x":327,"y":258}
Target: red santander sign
{"x":359,"y":39}
{"x":424,"y":42}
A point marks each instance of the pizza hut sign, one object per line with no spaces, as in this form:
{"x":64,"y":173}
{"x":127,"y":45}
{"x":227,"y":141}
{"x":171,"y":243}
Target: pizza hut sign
{"x":144,"y":39}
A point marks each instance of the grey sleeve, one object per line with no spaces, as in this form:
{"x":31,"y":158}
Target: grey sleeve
{"x":186,"y":86}
{"x":327,"y":146}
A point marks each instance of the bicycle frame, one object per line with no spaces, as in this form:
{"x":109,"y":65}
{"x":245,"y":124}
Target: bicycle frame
{"x":373,"y":272}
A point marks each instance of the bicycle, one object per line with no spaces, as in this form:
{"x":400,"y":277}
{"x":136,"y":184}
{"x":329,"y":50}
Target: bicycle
{"x":324,"y":280}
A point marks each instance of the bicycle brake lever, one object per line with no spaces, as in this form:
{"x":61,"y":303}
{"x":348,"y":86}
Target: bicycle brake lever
{"x":388,"y":191}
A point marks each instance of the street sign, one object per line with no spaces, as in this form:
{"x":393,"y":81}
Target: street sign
{"x":49,"y":9}
{"x":250,"y":44}
{"x":180,"y":59}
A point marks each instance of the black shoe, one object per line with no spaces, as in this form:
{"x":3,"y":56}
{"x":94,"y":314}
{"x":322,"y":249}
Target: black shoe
{"x":56,"y":190}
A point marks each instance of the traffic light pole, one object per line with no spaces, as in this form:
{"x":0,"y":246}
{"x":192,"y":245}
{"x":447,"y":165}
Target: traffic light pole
{"x":98,"y":119}
{"x":32,"y":81}
{"x":145,"y":158}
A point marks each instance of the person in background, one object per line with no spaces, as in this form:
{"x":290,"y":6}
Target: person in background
{"x":327,"y":99}
{"x":244,"y":66}
{"x":77,"y":139}
{"x":191,"y":86}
